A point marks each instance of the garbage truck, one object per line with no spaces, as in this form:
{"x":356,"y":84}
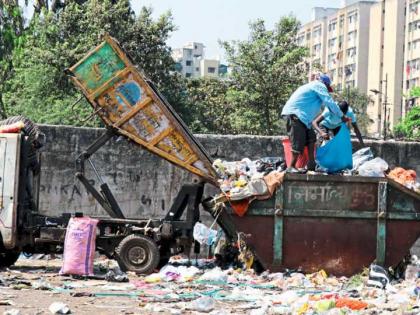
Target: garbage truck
{"x":336,"y":223}
{"x":129,"y":106}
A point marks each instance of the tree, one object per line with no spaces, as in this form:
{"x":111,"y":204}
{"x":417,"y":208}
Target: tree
{"x":266,"y":69}
{"x":209,"y":108}
{"x":11,"y":38}
{"x":54,"y":41}
{"x":409,"y":127}
{"x":359,"y":101}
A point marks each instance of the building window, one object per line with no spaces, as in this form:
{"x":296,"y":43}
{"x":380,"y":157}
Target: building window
{"x":317,"y":32}
{"x":352,"y":18}
{"x":414,"y":7}
{"x":414,"y":44}
{"x":412,"y":26}
{"x":188,"y":75}
{"x":351,"y":36}
{"x":197,"y":69}
{"x":211,"y":70}
{"x":412,"y":66}
{"x":351,"y":52}
{"x":308,"y":36}
{"x":331,"y":61}
{"x":188,"y":63}
{"x":331,"y":42}
{"x":317,"y":49}
{"x":341,"y":21}
{"x":332,"y":26}
{"x":349,"y":70}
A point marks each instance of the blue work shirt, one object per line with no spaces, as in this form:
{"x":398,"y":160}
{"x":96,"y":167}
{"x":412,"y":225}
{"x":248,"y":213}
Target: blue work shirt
{"x":332,"y":121}
{"x":306,"y":102}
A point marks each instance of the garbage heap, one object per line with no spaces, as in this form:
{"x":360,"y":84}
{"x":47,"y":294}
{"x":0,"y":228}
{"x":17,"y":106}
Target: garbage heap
{"x":186,"y":287}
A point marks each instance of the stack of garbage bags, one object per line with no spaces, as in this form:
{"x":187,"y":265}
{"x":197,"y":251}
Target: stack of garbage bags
{"x":365,"y":164}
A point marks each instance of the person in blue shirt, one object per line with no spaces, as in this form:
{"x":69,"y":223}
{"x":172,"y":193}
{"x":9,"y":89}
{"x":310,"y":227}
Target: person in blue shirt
{"x":328,"y":122}
{"x":300,"y":110}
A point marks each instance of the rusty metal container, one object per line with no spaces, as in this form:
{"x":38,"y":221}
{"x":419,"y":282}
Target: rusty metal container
{"x":337,"y":223}
{"x":126,"y":101}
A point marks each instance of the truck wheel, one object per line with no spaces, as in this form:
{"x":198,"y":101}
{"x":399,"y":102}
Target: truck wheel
{"x":8,"y":258}
{"x":138,"y":253}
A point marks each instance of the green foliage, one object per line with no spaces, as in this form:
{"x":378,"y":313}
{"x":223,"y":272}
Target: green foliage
{"x":56,"y":40}
{"x":11,"y":40}
{"x":266,"y":69}
{"x":414,"y":92}
{"x":209,"y":108}
{"x":409,"y":127}
{"x":359,"y":101}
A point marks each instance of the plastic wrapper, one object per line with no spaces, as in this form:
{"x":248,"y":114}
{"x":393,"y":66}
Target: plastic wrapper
{"x":203,"y":234}
{"x":373,"y":168}
{"x":361,"y":156}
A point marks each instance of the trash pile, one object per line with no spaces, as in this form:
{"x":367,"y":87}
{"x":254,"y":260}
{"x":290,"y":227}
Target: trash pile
{"x":248,"y":180}
{"x":189,"y":288}
{"x":364,"y":164}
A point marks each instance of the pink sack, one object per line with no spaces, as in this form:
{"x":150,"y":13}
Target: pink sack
{"x":79,"y":246}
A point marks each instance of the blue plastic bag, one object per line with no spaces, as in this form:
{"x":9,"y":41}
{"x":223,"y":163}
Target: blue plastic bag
{"x":336,"y":155}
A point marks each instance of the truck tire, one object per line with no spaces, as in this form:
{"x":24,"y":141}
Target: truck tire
{"x":137,"y":253}
{"x":8,"y":258}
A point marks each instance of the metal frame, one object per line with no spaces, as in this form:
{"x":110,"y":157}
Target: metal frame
{"x":381,"y":225}
{"x":105,"y":197}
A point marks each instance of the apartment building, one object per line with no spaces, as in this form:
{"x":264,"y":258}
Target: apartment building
{"x":347,"y":45}
{"x":313,"y":35}
{"x":188,"y":59}
{"x":190,"y":62}
{"x":387,"y":34}
{"x":337,"y":40}
{"x":411,"y":73}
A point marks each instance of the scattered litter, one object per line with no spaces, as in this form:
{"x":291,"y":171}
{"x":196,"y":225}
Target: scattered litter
{"x":216,"y":275}
{"x":116,"y":275}
{"x":204,"y":304}
{"x":12,"y":312}
{"x":203,"y":234}
{"x":59,"y":308}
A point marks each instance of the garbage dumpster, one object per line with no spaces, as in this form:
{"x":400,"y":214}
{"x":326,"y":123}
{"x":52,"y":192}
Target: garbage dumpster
{"x":337,"y":223}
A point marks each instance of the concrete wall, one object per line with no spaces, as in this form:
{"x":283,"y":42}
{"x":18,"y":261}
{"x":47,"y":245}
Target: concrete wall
{"x":143,"y":184}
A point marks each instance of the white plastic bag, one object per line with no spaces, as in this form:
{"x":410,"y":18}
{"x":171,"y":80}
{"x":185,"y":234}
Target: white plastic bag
{"x":203,"y":234}
{"x":361,"y":156}
{"x":373,"y":168}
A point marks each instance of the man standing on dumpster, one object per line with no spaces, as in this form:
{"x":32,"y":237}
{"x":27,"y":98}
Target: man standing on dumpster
{"x":327,"y":123}
{"x":300,"y":110}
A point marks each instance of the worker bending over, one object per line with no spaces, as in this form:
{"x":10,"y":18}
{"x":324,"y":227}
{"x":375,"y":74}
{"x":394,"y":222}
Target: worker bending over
{"x":300,"y":110}
{"x":328,"y":122}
